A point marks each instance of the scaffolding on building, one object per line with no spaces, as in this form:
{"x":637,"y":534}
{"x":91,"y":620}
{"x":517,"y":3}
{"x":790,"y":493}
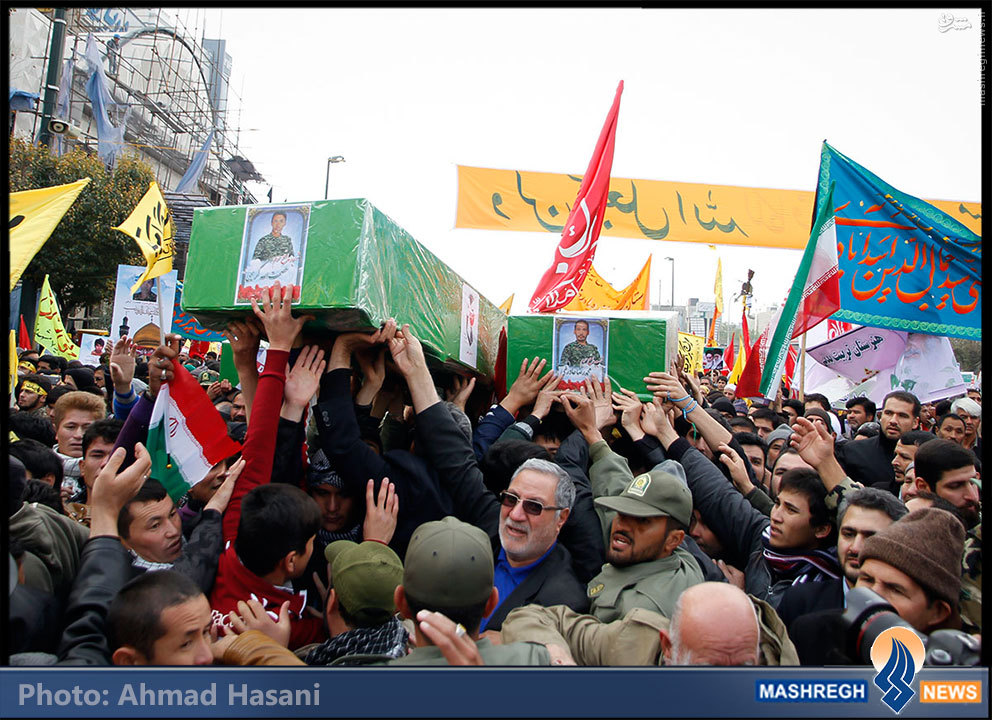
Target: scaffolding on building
{"x":175,"y":83}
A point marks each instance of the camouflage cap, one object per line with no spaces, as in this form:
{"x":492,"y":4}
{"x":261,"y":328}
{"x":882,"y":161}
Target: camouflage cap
{"x":653,"y":494}
{"x":364,"y":577}
{"x":448,"y":564}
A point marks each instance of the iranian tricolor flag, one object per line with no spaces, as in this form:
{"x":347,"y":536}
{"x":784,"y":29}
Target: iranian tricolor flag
{"x":815,"y":295}
{"x":186,"y":435}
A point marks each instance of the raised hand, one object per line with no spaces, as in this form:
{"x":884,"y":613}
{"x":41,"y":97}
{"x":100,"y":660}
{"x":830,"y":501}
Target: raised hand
{"x":304,"y":378}
{"x":630,"y":408}
{"x":111,"y":490}
{"x":222,"y":495}
{"x":657,"y":422}
{"x":275,"y":312}
{"x":667,"y":387}
{"x":381,"y":512}
{"x":244,"y":337}
{"x":372,"y":362}
{"x":160,"y":368}
{"x":122,"y":359}
{"x":252,"y":616}
{"x":528,"y":384}
{"x":812,"y":442}
{"x":461,"y":391}
{"x":582,"y":412}
{"x":407,"y":352}
{"x":734,"y":463}
{"x":361,"y":344}
{"x":601,"y":395}
{"x":547,"y":396}
{"x":214,"y":390}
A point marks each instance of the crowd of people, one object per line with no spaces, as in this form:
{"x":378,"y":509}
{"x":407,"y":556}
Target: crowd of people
{"x":366,"y":520}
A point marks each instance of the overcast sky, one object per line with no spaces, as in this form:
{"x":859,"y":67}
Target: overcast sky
{"x":732,"y":97}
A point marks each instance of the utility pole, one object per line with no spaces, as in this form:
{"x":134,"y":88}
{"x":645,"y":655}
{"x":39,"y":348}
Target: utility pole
{"x":54,"y":72}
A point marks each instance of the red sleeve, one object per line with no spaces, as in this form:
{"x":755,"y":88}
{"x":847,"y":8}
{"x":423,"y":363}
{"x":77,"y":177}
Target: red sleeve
{"x":260,"y":441}
{"x":305,"y":631}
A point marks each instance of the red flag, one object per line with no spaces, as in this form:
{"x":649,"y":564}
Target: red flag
{"x":198,"y":348}
{"x":23,"y":339}
{"x":575,"y":251}
{"x":836,"y":328}
{"x":790,"y":365}
{"x":728,"y":355}
{"x":745,"y":333}
{"x":499,"y":369}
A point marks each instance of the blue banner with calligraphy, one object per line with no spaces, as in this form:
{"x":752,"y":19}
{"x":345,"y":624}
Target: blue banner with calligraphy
{"x":185,"y":325}
{"x":904,"y":264}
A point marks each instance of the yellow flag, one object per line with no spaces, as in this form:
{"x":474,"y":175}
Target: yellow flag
{"x":718,"y":295}
{"x":33,"y":216}
{"x":49,"y":332}
{"x":597,"y":294}
{"x":691,"y":350}
{"x":507,"y":304}
{"x":718,"y":288}
{"x":13,"y":360}
{"x":739,"y":362}
{"x":150,"y":224}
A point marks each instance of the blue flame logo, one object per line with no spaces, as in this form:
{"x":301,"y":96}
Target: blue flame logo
{"x":894,"y":678}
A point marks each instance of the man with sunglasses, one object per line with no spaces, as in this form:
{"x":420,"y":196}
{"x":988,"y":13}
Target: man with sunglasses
{"x":522,"y":524}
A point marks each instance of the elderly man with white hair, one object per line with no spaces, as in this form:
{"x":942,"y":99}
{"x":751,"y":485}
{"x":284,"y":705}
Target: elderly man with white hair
{"x":970,"y":413}
{"x":712,"y":624}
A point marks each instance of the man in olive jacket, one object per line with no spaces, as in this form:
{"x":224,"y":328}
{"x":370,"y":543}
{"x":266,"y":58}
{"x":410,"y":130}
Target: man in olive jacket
{"x":713,"y":624}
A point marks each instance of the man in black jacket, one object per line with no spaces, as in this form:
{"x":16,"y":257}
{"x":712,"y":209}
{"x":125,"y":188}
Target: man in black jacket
{"x":869,"y":462}
{"x":523,"y":525}
{"x":861,"y":514}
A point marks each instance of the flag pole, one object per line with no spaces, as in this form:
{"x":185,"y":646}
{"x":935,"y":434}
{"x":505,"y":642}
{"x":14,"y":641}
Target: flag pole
{"x":802,"y":371}
{"x":161,"y":313}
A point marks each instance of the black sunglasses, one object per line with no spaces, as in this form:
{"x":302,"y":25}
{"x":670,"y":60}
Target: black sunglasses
{"x":531,"y":507}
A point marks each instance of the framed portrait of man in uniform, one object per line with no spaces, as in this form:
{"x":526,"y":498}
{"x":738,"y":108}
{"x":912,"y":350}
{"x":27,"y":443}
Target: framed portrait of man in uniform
{"x":273,"y":248}
{"x":579,"y":350}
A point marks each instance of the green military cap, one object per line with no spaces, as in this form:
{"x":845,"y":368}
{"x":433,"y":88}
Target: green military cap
{"x":448,"y":564}
{"x":209,"y":376}
{"x":364,"y":577}
{"x":653,"y":494}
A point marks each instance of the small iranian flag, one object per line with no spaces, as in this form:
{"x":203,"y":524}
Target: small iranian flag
{"x":815,"y":295}
{"x":186,"y":434}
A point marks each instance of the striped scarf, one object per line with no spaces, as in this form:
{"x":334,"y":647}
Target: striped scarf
{"x":326,"y":537}
{"x":802,"y":566}
{"x":388,"y":640}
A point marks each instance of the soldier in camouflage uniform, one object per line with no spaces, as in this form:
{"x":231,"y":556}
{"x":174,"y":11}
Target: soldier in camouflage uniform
{"x":576,"y":353}
{"x":275,"y":243}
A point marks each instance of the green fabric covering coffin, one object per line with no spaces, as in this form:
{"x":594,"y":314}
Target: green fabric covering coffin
{"x":636,"y":343}
{"x":358,"y":269}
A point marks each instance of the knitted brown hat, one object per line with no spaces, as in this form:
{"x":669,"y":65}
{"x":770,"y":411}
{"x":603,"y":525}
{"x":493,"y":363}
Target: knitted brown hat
{"x":927,"y":545}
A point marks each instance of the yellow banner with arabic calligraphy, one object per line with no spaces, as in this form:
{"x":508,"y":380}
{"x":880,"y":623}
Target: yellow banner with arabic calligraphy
{"x":597,"y":294}
{"x":691,"y":352}
{"x":150,"y":225}
{"x":493,"y":199}
{"x":49,"y":332}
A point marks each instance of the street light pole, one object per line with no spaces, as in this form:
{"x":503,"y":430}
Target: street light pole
{"x":672,"y":260}
{"x":327,"y":181}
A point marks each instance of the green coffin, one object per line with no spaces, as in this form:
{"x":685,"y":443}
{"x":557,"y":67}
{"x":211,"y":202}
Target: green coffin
{"x":635,"y":343}
{"x":356,"y":269}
